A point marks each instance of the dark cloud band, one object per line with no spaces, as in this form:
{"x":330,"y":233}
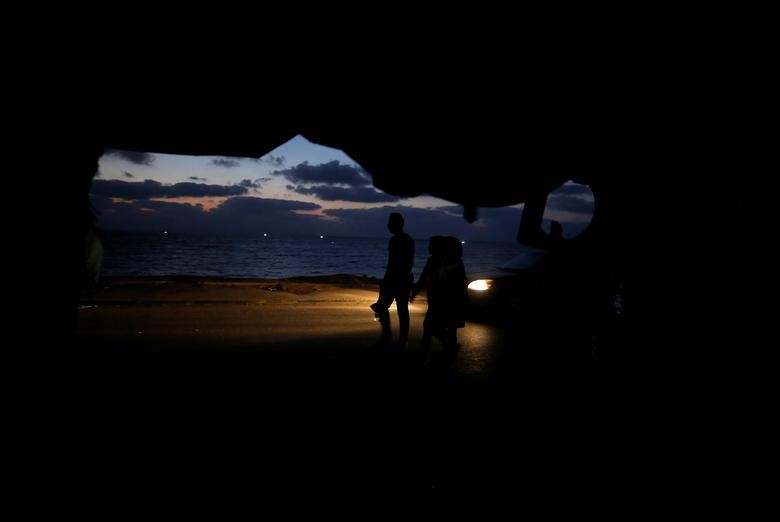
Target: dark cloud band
{"x":331,"y":173}
{"x":139,"y":158}
{"x":154,"y":189}
{"x":357,"y":194}
{"x":225,"y":163}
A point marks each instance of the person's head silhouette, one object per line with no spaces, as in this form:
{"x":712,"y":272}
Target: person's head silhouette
{"x":436,"y":245}
{"x":454,"y":248}
{"x":395,"y":224}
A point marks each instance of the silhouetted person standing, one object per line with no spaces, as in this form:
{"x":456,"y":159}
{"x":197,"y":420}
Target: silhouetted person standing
{"x":434,"y":322}
{"x":397,"y":283}
{"x":454,"y":296}
{"x":444,"y":280}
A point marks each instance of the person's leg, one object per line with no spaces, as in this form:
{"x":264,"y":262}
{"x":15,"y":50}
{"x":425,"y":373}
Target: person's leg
{"x":454,"y":339}
{"x":402,"y":304}
{"x":427,"y":339}
{"x":450,"y":341}
{"x":386,"y":296}
{"x":384,"y":320}
{"x":383,"y":301}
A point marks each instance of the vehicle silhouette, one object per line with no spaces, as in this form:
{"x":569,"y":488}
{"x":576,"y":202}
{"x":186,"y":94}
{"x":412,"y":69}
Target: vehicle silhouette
{"x":512,"y":288}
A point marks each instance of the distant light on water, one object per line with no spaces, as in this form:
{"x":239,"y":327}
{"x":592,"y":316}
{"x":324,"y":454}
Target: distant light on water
{"x":265,"y":235}
{"x":462,"y":242}
{"x":144,"y":254}
{"x":322,"y":237}
{"x":165,"y":231}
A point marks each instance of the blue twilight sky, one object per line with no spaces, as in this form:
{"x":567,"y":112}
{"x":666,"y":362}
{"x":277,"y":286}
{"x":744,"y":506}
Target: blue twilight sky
{"x":299,"y":188}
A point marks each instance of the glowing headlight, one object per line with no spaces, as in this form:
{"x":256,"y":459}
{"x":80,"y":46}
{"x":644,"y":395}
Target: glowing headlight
{"x":480,"y":285}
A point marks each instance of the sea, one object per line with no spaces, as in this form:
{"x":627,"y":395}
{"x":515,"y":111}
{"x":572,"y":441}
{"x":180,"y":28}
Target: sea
{"x":131,"y":254}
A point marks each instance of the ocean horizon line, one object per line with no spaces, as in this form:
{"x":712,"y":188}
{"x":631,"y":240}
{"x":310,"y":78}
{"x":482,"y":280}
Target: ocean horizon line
{"x":260,"y":235}
{"x":195,"y":277}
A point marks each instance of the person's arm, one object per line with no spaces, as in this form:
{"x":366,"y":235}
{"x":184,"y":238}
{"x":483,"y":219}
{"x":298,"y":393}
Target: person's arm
{"x":426,"y":273}
{"x":410,"y":254}
{"x":392,"y":258}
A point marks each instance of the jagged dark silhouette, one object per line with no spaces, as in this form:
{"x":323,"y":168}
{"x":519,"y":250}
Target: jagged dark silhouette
{"x":458,"y":152}
{"x":492,"y":131}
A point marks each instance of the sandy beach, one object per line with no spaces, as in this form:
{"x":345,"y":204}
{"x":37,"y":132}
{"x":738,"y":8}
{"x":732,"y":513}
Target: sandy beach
{"x":170,"y":314}
{"x":308,"y":319}
{"x":281,"y":375}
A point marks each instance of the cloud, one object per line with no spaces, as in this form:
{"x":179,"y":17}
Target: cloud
{"x":273,"y":161}
{"x":225,"y":162}
{"x":154,"y":189}
{"x":127,"y":174}
{"x":253,"y":184}
{"x":239,"y":215}
{"x":196,"y":178}
{"x":330,"y":193}
{"x":572,"y":189}
{"x":331,"y":173}
{"x":261,"y":206}
{"x":570,"y":204}
{"x":495,"y":224}
{"x":146,"y":215}
{"x":139,"y":158}
{"x":254,"y":216}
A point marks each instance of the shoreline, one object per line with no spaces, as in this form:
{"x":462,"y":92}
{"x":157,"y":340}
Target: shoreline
{"x":186,"y":277}
{"x":208,"y":290}
{"x":343,"y":280}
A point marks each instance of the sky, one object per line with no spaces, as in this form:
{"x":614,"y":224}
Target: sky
{"x":299,"y":188}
